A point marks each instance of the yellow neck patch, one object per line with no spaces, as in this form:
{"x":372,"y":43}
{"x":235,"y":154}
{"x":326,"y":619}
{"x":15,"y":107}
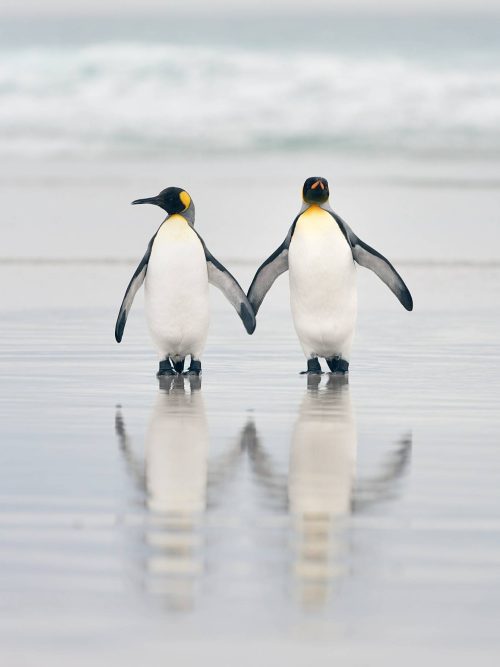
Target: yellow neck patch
{"x":314,"y":209}
{"x":315,"y":220}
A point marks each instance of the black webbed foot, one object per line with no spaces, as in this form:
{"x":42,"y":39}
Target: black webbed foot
{"x":165,"y":368}
{"x":179,"y":366}
{"x":338,"y":365}
{"x":194,"y":368}
{"x":313,"y":367}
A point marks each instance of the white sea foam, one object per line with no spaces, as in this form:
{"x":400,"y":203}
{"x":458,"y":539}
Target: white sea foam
{"x":121,"y":97}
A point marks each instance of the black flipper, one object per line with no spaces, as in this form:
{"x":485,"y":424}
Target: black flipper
{"x":370,"y":258}
{"x":131,"y":291}
{"x":267,"y":273}
{"x":219,"y":276}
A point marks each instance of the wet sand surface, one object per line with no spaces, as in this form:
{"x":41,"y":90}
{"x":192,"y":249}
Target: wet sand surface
{"x":252,"y":516}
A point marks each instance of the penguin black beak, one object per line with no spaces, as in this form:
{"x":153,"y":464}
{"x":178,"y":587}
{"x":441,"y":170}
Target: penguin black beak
{"x":147,"y":200}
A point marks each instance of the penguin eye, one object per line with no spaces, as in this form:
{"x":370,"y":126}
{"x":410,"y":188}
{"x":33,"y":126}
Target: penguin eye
{"x":185,"y":199}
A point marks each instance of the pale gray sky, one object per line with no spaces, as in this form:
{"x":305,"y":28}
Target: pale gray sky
{"x":38,"y":7}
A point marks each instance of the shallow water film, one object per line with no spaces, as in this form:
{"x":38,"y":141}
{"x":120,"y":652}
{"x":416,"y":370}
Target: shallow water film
{"x":252,"y":510}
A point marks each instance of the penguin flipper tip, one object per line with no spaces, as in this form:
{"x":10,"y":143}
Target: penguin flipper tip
{"x":248,"y":318}
{"x":407,"y":300}
{"x":120,"y":326}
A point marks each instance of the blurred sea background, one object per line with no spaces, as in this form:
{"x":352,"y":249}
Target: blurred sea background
{"x":420,"y":86}
{"x":255,"y":517}
{"x":224,"y":103}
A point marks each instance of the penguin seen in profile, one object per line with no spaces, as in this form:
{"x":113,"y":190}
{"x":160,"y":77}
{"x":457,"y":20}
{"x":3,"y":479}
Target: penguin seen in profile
{"x":319,"y":251}
{"x":177,"y":269}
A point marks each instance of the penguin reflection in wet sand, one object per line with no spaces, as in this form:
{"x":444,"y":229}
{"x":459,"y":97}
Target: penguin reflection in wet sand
{"x":319,"y":252}
{"x":177,"y":269}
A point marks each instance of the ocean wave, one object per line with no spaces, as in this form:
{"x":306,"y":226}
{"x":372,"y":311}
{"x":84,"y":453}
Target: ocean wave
{"x":152,"y":99}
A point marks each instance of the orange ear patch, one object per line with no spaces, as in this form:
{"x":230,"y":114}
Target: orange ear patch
{"x":185,"y":199}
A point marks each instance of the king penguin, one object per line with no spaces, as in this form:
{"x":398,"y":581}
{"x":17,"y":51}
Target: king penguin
{"x":177,"y":269}
{"x":320,"y":252}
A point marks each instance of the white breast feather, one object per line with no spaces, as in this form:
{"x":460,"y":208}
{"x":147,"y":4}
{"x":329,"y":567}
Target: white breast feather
{"x":176,"y":291}
{"x":322,"y":285}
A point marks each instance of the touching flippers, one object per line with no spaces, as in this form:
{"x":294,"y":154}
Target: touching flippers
{"x":267,"y":273}
{"x":219,"y":276}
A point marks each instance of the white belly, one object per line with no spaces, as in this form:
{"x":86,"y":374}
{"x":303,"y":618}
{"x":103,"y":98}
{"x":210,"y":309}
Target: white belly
{"x":176,"y":291}
{"x":323,"y":291}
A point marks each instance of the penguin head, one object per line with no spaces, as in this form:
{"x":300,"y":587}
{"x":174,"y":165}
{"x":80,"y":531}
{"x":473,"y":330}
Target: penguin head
{"x":315,"y":190}
{"x":171,"y":200}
